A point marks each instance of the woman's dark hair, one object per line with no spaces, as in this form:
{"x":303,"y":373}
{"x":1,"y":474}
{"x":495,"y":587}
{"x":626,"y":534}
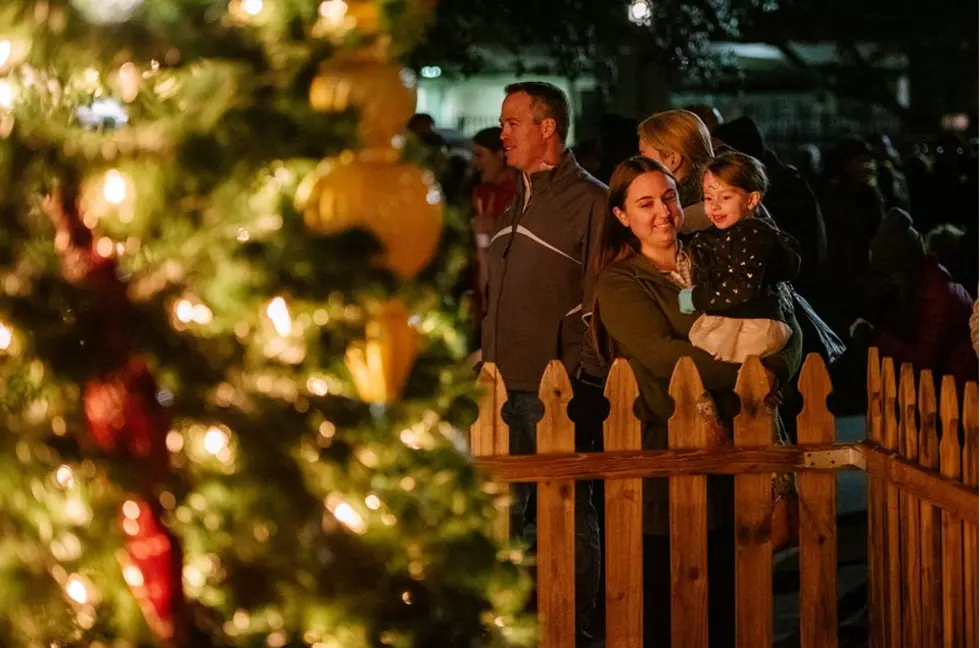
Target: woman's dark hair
{"x":616,"y":241}
{"x":739,"y":170}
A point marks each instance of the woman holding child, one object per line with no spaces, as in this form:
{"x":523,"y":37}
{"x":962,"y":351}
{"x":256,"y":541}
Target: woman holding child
{"x":644,"y":272}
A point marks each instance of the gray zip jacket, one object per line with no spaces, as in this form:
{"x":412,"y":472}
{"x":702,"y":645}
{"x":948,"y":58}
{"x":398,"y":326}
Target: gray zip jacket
{"x":541,"y":283}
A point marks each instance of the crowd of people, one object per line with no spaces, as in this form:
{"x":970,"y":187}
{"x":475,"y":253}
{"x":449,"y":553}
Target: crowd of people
{"x":685,"y":235}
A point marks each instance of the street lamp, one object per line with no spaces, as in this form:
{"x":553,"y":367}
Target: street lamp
{"x":640,"y":12}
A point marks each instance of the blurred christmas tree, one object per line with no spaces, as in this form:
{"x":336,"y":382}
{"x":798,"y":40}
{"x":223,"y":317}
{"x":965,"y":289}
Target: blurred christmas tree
{"x":231,"y":383}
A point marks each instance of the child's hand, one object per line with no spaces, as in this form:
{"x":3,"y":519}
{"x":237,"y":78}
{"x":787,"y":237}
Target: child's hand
{"x":685,"y":301}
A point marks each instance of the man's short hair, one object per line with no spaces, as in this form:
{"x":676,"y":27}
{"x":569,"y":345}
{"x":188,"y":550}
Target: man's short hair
{"x":547,"y":101}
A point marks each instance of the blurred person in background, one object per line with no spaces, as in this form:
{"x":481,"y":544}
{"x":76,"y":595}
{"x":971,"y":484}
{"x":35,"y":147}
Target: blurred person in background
{"x":915,"y":311}
{"x":491,"y":197}
{"x":891,"y":178}
{"x":681,"y":142}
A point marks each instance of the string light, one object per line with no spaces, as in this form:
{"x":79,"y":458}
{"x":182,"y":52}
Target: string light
{"x":64,"y":476}
{"x":6,"y":337}
{"x":114,"y":188}
{"x":186,"y":311}
{"x":215,"y":440}
{"x":7,"y":94}
{"x":131,"y":510}
{"x":345,"y":513}
{"x":133,"y":576}
{"x":278,"y":312}
{"x":252,"y":7}
{"x":333,"y":12}
{"x":6,"y":47}
{"x":78,"y":589}
{"x":129,"y":81}
{"x":640,"y":13}
{"x":317,"y":386}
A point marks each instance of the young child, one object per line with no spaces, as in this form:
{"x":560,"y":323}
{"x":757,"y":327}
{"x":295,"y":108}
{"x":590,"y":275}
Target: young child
{"x":736,"y":266}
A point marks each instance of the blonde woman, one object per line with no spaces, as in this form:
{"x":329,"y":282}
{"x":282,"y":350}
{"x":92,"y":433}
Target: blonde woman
{"x":680,"y":141}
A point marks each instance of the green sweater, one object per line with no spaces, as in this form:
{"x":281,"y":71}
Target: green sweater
{"x":638,"y":307}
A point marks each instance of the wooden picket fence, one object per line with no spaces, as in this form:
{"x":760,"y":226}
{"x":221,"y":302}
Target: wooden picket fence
{"x":922,"y":505}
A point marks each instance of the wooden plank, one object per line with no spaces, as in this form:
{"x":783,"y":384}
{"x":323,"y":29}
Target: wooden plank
{"x":688,"y":516}
{"x":931,"y":545}
{"x":489,"y":436}
{"x":949,"y":495}
{"x":818,"y":515}
{"x":909,"y":449}
{"x":877,"y":548}
{"x":667,"y":463}
{"x":971,"y":427}
{"x":950,"y":465}
{"x":753,"y":513}
{"x":556,"y":517}
{"x":892,"y":513}
{"x":624,"y":517}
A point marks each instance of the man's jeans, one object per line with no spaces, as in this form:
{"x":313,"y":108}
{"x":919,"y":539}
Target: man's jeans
{"x":521,"y":413}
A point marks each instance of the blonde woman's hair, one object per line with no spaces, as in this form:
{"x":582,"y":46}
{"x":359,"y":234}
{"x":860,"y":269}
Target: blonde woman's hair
{"x":681,"y":132}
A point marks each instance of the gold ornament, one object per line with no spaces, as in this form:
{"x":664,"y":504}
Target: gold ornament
{"x":397,"y":202}
{"x":383,"y":93}
{"x":381,"y":364}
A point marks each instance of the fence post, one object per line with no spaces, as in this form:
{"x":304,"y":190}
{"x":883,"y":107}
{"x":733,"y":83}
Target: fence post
{"x":970,"y":441}
{"x":624,"y":517}
{"x":950,"y":465}
{"x":932,"y":614}
{"x":894,"y":555}
{"x":556,"y":517}
{"x":489,"y":436}
{"x":877,"y":548}
{"x":818,"y":515}
{"x":909,"y":449}
{"x":688,"y":516}
{"x":753,"y":513}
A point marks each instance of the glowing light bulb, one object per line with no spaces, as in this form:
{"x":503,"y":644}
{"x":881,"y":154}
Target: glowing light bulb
{"x":7,"y":95}
{"x":6,"y":337}
{"x":131,"y":510}
{"x":133,"y":576}
{"x":252,"y":7}
{"x":77,"y":589}
{"x":345,"y":513}
{"x":349,"y":517}
{"x":640,"y":12}
{"x":64,"y":476}
{"x":317,"y":386}
{"x":114,"y":188}
{"x":278,"y":312}
{"x":215,"y":440}
{"x":202,"y":314}
{"x":175,"y":441}
{"x":5,"y":49}
{"x":373,"y":502}
{"x":333,"y":11}
{"x":184,"y":311}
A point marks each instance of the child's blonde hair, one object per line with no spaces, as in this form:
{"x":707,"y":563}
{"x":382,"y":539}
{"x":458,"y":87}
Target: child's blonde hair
{"x":681,"y":132}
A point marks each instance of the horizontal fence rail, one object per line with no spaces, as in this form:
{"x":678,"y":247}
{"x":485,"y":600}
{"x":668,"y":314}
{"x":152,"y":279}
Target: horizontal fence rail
{"x":922,"y":504}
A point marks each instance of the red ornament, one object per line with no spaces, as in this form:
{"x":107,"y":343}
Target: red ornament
{"x":124,"y":417}
{"x":152,"y":565}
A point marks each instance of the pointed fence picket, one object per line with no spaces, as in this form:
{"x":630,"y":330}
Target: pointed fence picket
{"x":920,"y":592}
{"x":921,"y":462}
{"x":818,"y":516}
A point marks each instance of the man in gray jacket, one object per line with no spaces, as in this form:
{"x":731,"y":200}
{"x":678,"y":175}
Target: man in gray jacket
{"x":539,"y":300}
